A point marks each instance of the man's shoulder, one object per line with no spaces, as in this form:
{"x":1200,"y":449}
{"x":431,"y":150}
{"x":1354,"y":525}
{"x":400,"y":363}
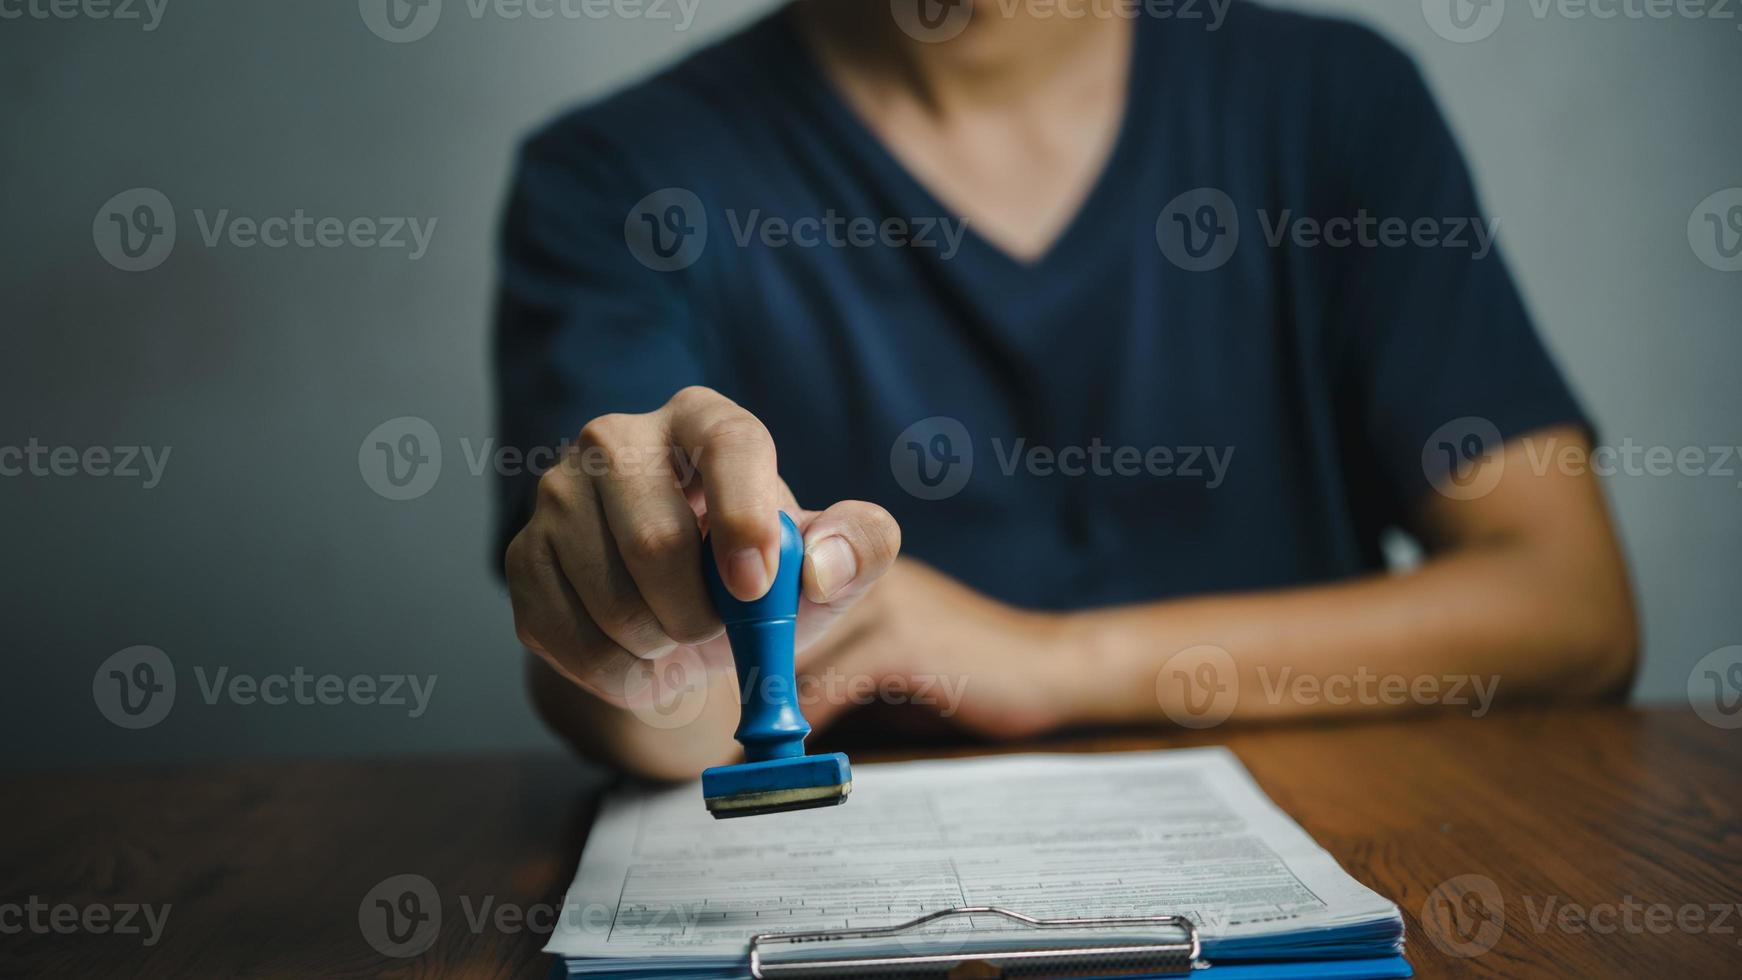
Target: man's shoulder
{"x":695,"y":108}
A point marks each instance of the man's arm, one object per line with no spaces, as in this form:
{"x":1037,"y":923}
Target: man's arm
{"x":1524,"y":588}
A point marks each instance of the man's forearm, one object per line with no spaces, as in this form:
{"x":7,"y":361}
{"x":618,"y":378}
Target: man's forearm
{"x":1494,"y":620}
{"x":1525,"y":595}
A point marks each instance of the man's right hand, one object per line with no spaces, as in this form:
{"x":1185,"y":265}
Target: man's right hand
{"x":607,"y":574}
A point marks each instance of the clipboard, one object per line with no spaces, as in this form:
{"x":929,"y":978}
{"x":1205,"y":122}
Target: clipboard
{"x":1028,"y":955}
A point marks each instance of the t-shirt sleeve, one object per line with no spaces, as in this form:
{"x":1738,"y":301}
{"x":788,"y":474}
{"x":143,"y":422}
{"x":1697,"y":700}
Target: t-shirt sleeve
{"x":582,"y":328}
{"x":1439,"y":346}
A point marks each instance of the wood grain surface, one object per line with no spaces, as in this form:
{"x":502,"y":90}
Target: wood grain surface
{"x":1601,"y":842}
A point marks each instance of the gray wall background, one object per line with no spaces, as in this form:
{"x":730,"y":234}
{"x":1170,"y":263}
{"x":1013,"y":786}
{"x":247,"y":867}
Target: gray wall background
{"x":263,"y":549}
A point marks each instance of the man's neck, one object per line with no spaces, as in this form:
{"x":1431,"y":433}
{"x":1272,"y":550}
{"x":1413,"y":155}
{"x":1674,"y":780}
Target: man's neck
{"x":1006,"y":54}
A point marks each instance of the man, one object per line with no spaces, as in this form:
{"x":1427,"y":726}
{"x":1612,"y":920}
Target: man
{"x":1137,"y":434}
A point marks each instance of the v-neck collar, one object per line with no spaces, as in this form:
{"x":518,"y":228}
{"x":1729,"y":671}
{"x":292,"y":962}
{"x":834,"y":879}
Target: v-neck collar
{"x":1070,"y":239}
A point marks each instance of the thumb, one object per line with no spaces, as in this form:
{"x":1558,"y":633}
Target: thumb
{"x":847,"y":548}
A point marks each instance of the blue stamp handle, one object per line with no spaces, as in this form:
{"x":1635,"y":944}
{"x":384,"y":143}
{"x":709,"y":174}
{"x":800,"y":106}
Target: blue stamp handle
{"x":761,"y":631}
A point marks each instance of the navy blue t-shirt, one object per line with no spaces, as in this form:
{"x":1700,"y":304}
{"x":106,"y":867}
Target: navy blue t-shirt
{"x":1239,"y":363}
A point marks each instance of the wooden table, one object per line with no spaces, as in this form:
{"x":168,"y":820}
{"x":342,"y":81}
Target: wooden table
{"x":264,"y":866}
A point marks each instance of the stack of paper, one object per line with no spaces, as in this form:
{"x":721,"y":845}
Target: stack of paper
{"x":665,"y":890}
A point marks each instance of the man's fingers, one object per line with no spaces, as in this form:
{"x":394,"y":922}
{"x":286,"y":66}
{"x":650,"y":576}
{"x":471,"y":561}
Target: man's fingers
{"x":573,"y":520}
{"x":847,"y":548}
{"x":741,"y":482}
{"x":551,"y":622}
{"x":656,"y":534}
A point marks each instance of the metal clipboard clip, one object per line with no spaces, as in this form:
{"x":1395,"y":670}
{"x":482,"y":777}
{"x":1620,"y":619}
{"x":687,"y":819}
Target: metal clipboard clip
{"x":1020,"y":958}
